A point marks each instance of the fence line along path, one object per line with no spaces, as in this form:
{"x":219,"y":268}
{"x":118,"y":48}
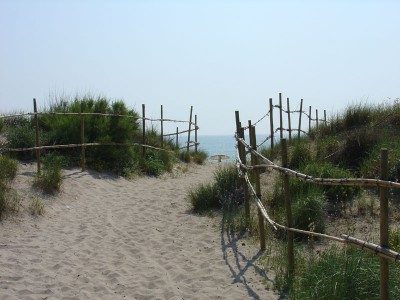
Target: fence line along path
{"x":252,"y":191}
{"x":143,"y":143}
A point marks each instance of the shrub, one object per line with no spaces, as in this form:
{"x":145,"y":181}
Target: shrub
{"x":9,"y":200}
{"x":204,"y":197}
{"x":199,"y":157}
{"x":335,"y":195}
{"x":185,"y":156}
{"x":8,"y":169}
{"x":36,"y":207}
{"x":227,"y":182}
{"x":308,"y":212}
{"x":342,"y":274}
{"x":49,"y":179}
{"x":300,"y":153}
{"x":21,"y":136}
{"x":225,"y":192}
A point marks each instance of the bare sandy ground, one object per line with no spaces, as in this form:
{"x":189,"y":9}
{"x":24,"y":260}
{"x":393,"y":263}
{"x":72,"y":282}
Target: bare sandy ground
{"x":105,"y":237}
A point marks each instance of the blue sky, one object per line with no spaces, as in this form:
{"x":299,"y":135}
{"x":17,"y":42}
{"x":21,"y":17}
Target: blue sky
{"x":219,"y":56}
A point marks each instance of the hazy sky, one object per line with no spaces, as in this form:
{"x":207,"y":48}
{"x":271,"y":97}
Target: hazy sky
{"x":219,"y":56}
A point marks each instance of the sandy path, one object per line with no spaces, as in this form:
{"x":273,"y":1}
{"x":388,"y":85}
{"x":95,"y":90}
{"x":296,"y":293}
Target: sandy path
{"x":110,"y":238}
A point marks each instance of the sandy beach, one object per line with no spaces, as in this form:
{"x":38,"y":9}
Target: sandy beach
{"x":105,"y":237}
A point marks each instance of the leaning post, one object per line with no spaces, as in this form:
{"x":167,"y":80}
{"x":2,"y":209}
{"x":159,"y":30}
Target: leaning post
{"x":384,"y":227}
{"x":289,"y":121}
{"x":280,"y":116}
{"x":190,"y":126}
{"x":162,"y":127}
{"x":300,"y":115}
{"x":143,"y":131}
{"x":37,"y":139}
{"x":309,"y":119}
{"x":271,"y":121}
{"x":288,"y":208}
{"x":195,"y":133}
{"x":256,"y":180}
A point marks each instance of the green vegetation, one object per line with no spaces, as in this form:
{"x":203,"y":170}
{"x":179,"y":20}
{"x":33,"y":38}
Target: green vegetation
{"x":198,"y":157}
{"x":49,"y":179}
{"x":341,"y":274}
{"x":224,"y":192}
{"x":36,"y":207}
{"x":66,"y":129}
{"x":9,"y":200}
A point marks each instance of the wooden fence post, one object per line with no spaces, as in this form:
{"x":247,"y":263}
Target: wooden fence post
{"x":83,"y":159}
{"x":37,"y":139}
{"x":288,"y":208}
{"x":316,"y":117}
{"x":143,"y":131}
{"x":242,"y":155}
{"x":190,"y":125}
{"x":300,"y":115}
{"x":271,"y":121}
{"x":325,"y":117}
{"x":289,"y":121}
{"x":309,"y":119}
{"x":162,"y":127}
{"x":384,"y":227}
{"x":256,"y":180}
{"x":195,"y":133}
{"x":177,"y":141}
{"x":280,"y":116}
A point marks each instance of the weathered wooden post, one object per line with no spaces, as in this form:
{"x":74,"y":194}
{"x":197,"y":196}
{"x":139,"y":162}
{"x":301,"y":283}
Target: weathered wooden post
{"x":143,"y":131}
{"x":280,"y":116}
{"x":325,"y":117}
{"x":190,"y":126}
{"x":288,"y":208}
{"x":256,"y":180}
{"x":289,"y":121}
{"x":384,"y":227}
{"x":195,"y":133}
{"x":177,"y":138}
{"x":316,"y":117}
{"x":300,"y":115}
{"x":271,"y":121}
{"x":162,"y":127}
{"x":242,"y":156}
{"x":309,"y":119}
{"x":83,"y":159}
{"x":37,"y":139}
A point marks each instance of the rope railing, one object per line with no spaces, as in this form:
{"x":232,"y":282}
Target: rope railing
{"x":362,"y":182}
{"x":94,"y":114}
{"x":345,"y":239}
{"x":163,"y":137}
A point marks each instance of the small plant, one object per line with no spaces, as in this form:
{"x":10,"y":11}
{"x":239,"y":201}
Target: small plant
{"x":49,"y":179}
{"x":204,"y":197}
{"x":394,"y":239}
{"x":36,"y":207}
{"x":185,"y":156}
{"x":225,"y":192}
{"x":8,"y":169}
{"x":300,"y":154}
{"x":199,"y":157}
{"x":342,"y":274}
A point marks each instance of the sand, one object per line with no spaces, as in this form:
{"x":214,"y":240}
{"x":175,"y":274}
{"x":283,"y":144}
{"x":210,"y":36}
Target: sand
{"x":105,"y":237}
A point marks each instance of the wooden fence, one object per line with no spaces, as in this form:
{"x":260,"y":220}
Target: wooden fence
{"x":291,"y":126}
{"x":252,"y":190}
{"x":38,"y":147}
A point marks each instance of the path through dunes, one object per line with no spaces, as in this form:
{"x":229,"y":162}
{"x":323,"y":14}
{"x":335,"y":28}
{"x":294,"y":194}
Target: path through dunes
{"x":110,"y":238}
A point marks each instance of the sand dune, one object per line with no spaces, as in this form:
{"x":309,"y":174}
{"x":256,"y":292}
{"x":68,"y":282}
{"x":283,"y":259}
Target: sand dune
{"x":109,"y":238}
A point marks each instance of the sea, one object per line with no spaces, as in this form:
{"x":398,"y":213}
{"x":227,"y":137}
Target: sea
{"x":223,"y":144}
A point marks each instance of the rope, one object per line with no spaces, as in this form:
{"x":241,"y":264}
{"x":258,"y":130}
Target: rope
{"x":80,"y":145}
{"x":94,"y":114}
{"x":320,"y":181}
{"x":345,"y":239}
{"x":258,"y":121}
